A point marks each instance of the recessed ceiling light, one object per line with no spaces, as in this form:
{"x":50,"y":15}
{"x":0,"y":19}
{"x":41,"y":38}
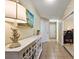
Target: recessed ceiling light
{"x":49,"y":1}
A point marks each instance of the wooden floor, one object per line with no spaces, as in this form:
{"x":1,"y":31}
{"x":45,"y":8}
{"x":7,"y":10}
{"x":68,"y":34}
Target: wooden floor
{"x":52,"y":50}
{"x":70,"y":48}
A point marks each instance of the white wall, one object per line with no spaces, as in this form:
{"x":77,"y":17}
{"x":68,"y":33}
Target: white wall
{"x":45,"y":30}
{"x":25,"y":31}
{"x":30,"y":6}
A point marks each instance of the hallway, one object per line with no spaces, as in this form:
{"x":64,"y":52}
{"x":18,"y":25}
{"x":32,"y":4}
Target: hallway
{"x":34,"y":26}
{"x":52,"y":50}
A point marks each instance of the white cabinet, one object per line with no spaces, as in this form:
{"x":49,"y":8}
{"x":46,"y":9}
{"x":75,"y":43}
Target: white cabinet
{"x":31,"y":48}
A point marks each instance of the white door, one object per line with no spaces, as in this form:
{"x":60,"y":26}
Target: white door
{"x":53,"y":30}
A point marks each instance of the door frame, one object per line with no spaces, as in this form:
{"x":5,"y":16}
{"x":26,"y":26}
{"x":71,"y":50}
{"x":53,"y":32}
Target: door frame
{"x":55,"y":21}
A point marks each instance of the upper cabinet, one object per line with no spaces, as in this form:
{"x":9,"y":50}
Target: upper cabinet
{"x":15,"y":12}
{"x":10,"y":9}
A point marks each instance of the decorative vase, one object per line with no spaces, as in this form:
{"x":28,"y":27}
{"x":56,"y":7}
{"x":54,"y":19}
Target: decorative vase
{"x":38,"y":32}
{"x":14,"y":38}
{"x":14,"y":45}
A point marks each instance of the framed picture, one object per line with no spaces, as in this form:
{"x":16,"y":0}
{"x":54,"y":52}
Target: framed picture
{"x":30,"y":18}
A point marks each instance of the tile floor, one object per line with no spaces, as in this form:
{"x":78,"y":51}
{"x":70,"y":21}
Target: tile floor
{"x":52,"y":50}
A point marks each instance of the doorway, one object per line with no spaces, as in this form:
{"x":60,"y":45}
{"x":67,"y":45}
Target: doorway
{"x":53,"y":31}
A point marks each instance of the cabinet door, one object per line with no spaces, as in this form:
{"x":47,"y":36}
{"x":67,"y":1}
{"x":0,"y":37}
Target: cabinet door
{"x":11,"y":55}
{"x":23,"y":54}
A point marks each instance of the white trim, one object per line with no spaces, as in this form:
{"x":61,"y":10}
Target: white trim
{"x":62,"y":32}
{"x":57,"y":32}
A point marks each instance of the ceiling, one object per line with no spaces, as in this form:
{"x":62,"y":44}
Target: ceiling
{"x":50,"y":10}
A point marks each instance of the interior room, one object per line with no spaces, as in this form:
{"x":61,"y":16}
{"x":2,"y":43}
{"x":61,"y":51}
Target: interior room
{"x":39,"y":29}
